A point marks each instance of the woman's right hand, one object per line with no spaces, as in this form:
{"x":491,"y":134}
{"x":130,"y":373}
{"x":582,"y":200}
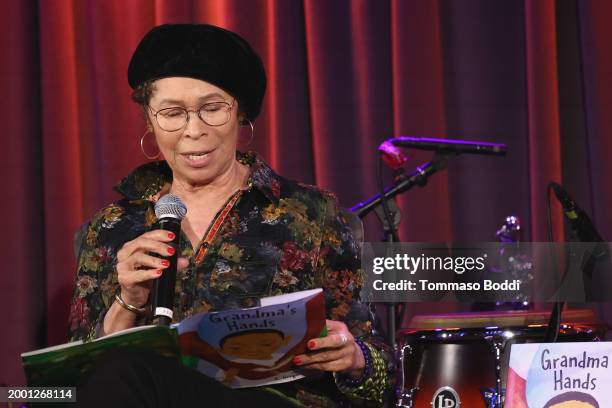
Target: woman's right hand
{"x":136,"y":269}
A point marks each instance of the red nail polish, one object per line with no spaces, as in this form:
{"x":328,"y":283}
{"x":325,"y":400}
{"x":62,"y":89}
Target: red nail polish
{"x":159,"y":271}
{"x":297,"y":360}
{"x":311,"y":344}
{"x":165,"y":262}
{"x":171,"y":235}
{"x":171,"y":250}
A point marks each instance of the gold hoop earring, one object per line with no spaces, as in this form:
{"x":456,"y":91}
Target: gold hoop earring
{"x":142,"y":149}
{"x":252,"y":130}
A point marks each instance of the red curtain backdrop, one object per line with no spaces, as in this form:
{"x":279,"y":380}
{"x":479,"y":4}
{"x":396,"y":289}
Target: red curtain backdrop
{"x":343,"y":76}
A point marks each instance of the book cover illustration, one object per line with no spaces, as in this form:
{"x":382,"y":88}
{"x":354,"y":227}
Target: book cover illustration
{"x":254,"y":346}
{"x":559,"y":375}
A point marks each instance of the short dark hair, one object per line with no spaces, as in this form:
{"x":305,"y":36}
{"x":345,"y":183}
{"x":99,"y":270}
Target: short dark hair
{"x":572,"y":396}
{"x":142,"y":93}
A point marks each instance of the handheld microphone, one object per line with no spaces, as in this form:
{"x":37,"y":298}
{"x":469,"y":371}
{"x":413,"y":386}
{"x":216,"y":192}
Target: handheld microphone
{"x":169,"y":211}
{"x":449,"y":145}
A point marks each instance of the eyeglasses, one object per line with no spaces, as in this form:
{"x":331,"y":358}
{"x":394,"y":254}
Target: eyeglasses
{"x":176,"y":117}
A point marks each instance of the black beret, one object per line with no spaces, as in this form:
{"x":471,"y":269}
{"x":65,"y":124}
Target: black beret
{"x":205,"y":52}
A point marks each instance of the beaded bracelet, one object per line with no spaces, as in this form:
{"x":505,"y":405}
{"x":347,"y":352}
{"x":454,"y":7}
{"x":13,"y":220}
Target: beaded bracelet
{"x":347,"y":381}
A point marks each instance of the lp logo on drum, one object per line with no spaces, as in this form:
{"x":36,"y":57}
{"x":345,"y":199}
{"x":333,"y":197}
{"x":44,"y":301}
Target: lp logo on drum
{"x":445,"y":397}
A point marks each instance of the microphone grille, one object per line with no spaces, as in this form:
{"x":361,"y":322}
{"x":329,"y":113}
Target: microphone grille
{"x":170,"y":206}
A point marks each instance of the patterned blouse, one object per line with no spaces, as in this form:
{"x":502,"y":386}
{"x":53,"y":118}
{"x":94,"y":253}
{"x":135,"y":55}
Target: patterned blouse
{"x":275,"y":237}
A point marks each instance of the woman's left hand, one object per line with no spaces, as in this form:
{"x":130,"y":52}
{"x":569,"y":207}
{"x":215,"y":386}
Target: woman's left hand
{"x":336,"y":352}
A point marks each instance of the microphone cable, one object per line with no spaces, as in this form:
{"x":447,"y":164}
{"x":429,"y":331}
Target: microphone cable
{"x":387,"y":212}
{"x":554,"y":323}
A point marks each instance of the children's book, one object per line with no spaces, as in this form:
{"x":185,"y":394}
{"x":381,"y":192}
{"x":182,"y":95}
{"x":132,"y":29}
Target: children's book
{"x":559,"y":375}
{"x":239,"y":347}
{"x":255,"y":346}
{"x":64,"y":364}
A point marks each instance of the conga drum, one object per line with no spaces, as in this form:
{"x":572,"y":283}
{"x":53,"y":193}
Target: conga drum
{"x":461,"y":360}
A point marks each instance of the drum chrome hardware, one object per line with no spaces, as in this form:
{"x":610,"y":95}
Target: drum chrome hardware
{"x":513,"y":263}
{"x":495,"y":396}
{"x":510,"y":231}
{"x":490,"y":397}
{"x":405,"y":396}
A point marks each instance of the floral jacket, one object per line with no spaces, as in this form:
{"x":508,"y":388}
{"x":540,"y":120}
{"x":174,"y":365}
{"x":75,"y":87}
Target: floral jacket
{"x":276,"y":237}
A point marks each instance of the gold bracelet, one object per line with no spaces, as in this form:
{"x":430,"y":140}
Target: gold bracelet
{"x":137,"y":310}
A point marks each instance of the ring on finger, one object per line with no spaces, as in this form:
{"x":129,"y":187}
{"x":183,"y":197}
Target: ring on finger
{"x":343,"y":338}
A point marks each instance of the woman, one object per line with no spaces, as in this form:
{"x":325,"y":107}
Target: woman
{"x":248,"y":232}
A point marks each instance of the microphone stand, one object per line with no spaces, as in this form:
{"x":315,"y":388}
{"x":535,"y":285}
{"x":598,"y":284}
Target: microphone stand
{"x":585,"y":263}
{"x":404,"y":183}
{"x":401,"y":184}
{"x":390,"y":225}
